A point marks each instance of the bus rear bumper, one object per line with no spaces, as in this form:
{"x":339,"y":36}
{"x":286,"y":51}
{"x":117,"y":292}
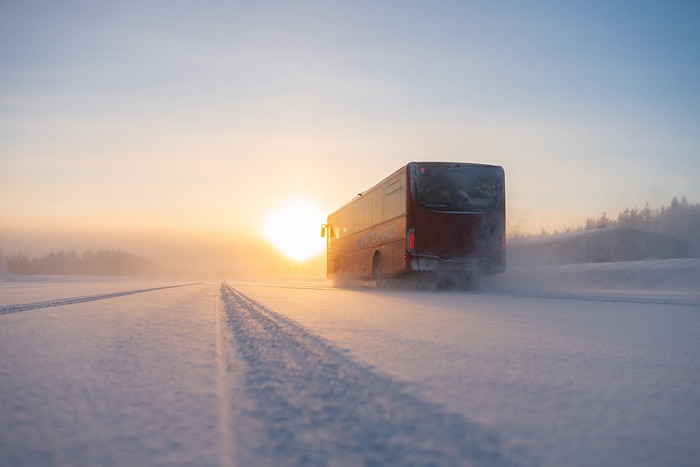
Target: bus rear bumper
{"x":472,"y":266}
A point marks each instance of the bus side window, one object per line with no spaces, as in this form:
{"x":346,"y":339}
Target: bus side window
{"x":394,"y":199}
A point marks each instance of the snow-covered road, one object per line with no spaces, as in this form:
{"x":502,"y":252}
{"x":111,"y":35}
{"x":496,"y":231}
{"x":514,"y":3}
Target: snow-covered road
{"x":247,"y":373}
{"x":565,"y":379}
{"x":130,"y":379}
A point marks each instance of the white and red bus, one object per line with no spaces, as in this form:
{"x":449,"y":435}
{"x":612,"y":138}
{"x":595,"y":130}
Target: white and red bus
{"x":442,"y":218}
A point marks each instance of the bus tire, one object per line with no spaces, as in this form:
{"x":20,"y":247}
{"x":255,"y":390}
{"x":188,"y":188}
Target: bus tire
{"x":377,"y":269}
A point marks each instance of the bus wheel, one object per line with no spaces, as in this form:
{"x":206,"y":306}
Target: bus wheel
{"x":377,"y":269}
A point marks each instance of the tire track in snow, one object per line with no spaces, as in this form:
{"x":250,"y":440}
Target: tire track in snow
{"x":312,"y":405}
{"x":7,"y":309}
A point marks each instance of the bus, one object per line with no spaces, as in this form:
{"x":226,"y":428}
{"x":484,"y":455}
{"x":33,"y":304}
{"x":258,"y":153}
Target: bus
{"x":444,"y":220}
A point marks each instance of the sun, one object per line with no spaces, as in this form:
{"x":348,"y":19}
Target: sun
{"x":294,"y":229}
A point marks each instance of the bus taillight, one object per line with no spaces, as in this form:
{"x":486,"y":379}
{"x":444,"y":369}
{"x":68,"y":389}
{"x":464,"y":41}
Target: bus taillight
{"x":411,"y":240}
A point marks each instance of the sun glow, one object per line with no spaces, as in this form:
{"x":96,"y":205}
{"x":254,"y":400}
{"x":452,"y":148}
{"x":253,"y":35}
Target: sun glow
{"x":294,"y":229}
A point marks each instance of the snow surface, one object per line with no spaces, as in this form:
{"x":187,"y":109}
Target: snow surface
{"x":30,"y":290}
{"x":574,"y":365}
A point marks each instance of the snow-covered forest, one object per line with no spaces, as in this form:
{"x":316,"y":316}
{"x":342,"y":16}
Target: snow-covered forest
{"x":100,"y":262}
{"x":680,"y":219}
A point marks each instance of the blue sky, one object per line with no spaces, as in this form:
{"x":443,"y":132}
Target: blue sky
{"x":203,"y":116}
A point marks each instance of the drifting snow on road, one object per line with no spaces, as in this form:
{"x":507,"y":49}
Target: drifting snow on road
{"x":316,"y":406}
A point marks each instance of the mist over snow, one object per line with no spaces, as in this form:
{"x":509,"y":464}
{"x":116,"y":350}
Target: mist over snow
{"x":178,"y":254}
{"x":674,"y":276}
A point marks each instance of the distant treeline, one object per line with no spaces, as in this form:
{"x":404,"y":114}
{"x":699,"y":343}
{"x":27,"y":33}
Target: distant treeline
{"x":680,"y":220}
{"x":101,"y":262}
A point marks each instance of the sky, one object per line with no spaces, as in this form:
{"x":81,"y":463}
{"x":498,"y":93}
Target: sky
{"x":173,"y":121}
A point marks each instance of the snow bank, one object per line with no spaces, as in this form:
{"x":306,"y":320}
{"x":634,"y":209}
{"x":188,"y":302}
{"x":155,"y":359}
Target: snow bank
{"x":4,"y":275}
{"x":678,"y":276}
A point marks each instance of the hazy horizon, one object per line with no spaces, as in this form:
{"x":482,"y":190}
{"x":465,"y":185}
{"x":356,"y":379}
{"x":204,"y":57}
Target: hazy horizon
{"x":190,"y":255}
{"x":175,"y":131}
